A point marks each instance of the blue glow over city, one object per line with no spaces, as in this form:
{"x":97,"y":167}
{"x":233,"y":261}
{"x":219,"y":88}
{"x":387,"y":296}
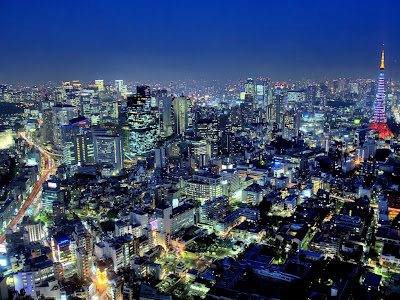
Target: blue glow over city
{"x":199,"y":150}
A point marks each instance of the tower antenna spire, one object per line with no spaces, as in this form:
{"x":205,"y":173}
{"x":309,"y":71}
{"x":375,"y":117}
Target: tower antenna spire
{"x":383,"y":58}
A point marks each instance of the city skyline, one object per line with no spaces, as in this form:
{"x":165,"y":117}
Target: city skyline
{"x":199,"y":150}
{"x":181,"y":41}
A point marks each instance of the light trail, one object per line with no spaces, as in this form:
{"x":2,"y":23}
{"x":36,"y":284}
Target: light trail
{"x":36,"y":190}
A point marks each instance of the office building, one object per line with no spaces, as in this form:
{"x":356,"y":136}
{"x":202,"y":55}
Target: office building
{"x":214,"y":209}
{"x":61,"y":115}
{"x":181,"y":115}
{"x":59,"y":215}
{"x":63,"y":253}
{"x":34,"y":229}
{"x":166,"y":113}
{"x":170,"y":220}
{"x":203,"y":187}
{"x":99,"y":84}
{"x":36,"y":277}
{"x":51,"y":193}
{"x":108,"y":151}
{"x":140,"y":126}
{"x":82,"y":264}
{"x":118,"y":86}
{"x":69,"y":140}
{"x":161,"y":159}
{"x":48,"y":126}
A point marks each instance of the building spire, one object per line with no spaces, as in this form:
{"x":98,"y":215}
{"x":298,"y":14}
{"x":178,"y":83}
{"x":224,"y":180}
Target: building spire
{"x":383,"y":60}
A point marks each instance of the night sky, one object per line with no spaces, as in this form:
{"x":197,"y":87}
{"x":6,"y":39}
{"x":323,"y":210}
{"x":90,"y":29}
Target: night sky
{"x":169,"y":40}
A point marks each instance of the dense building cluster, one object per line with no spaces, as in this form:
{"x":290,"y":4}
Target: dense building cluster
{"x":189,"y":190}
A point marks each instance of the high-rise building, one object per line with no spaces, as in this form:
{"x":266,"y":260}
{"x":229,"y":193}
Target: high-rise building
{"x":203,"y":187}
{"x":181,"y":115}
{"x":279,"y":105}
{"x":64,"y":254}
{"x":290,"y":124}
{"x":229,"y":143}
{"x":171,"y":220}
{"x":215,"y":209}
{"x":88,"y":104}
{"x":118,"y":85}
{"x":34,"y":229}
{"x":61,"y":114}
{"x":84,"y":147}
{"x":99,"y":84}
{"x":248,"y":108}
{"x":51,"y":193}
{"x":82,"y":264}
{"x":295,"y":99}
{"x":249,"y":87}
{"x":47,"y":126}
{"x":230,"y":183}
{"x":161,"y":157}
{"x":108,"y":151}
{"x":69,"y":139}
{"x":260,"y":93}
{"x":140,"y":126}
{"x":38,"y":277}
{"x":166,"y":113}
{"x":311,"y":95}
{"x":59,"y":215}
{"x":143,"y":91}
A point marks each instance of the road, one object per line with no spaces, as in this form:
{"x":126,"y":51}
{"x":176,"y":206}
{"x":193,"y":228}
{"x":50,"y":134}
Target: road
{"x":391,"y":209}
{"x":36,"y":190}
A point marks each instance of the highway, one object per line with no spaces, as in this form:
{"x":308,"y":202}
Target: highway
{"x":36,"y":190}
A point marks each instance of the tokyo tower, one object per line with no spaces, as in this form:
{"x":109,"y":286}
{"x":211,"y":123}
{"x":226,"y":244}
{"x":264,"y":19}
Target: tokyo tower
{"x":379,"y":120}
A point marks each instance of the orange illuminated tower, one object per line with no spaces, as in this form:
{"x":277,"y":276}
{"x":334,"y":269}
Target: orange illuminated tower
{"x":379,"y":120}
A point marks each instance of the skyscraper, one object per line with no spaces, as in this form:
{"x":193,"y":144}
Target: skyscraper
{"x":47,"y":126}
{"x":290,"y":124}
{"x":99,"y":84}
{"x":260,"y":93}
{"x":69,"y":133}
{"x":84,"y":147}
{"x":61,"y":114}
{"x":279,"y":105}
{"x":181,"y":117}
{"x":311,"y":95}
{"x":379,"y":119}
{"x":51,"y":194}
{"x":118,"y":85}
{"x":249,"y":86}
{"x":166,"y":114}
{"x":140,"y":125}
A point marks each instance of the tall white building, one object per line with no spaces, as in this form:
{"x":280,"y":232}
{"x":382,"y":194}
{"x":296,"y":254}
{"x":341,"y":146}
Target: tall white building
{"x":203,"y":187}
{"x":118,"y":85}
{"x":171,"y":220}
{"x":34,"y":229}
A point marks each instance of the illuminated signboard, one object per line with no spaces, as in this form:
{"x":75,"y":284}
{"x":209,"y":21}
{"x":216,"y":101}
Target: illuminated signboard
{"x":52,"y":185}
{"x":154,"y":225}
